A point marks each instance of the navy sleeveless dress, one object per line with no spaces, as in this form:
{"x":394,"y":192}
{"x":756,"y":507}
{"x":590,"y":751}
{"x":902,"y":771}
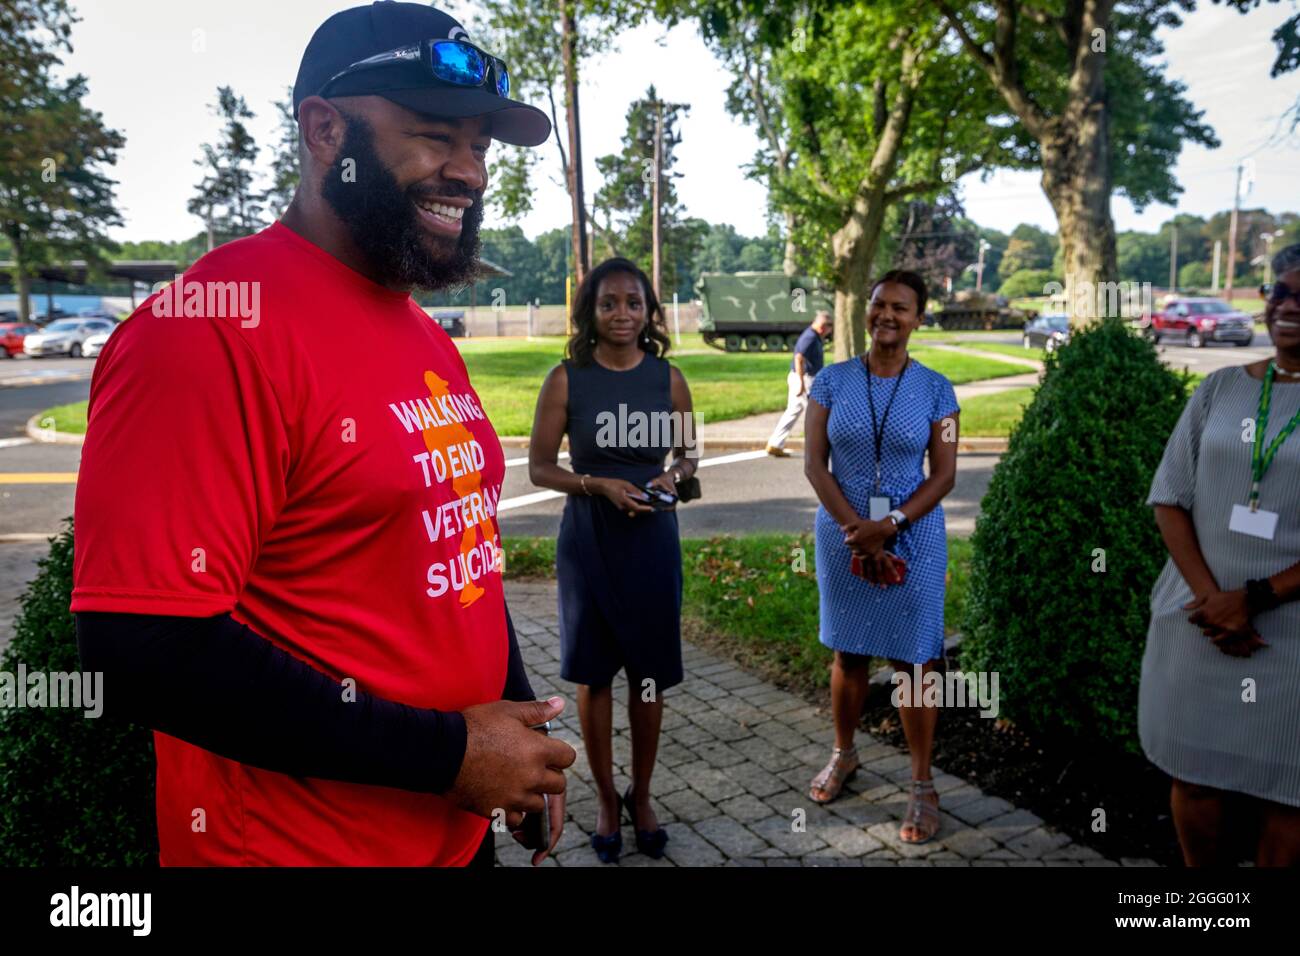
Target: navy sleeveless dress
{"x":620,"y":578}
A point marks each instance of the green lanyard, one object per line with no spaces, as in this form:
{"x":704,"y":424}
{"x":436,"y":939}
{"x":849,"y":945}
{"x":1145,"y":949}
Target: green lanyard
{"x":1261,"y":458}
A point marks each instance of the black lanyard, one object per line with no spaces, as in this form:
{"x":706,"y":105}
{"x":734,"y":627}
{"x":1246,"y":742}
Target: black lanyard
{"x":878,"y":429}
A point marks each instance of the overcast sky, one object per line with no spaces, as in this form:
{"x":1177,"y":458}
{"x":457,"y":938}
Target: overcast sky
{"x":149,"y":82}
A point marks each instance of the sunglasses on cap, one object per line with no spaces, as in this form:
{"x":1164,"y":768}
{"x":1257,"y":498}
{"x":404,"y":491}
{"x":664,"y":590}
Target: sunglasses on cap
{"x":451,"y":61}
{"x":1279,"y":292}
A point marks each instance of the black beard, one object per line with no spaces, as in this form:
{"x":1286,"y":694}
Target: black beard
{"x":385,"y":226}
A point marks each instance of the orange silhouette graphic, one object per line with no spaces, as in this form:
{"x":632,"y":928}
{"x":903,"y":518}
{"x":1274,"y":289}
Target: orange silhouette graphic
{"x":438,"y":439}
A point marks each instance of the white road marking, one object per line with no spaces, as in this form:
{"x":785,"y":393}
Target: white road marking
{"x":524,"y":461}
{"x":523,"y":501}
{"x":13,"y":442}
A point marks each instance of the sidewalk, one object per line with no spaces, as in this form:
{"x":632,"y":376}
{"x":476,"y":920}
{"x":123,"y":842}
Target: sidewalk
{"x":735,"y":760}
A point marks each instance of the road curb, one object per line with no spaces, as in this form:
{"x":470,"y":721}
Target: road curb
{"x":49,"y":436}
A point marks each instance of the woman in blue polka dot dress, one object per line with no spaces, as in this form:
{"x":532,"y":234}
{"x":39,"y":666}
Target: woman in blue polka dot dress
{"x":873,"y":420}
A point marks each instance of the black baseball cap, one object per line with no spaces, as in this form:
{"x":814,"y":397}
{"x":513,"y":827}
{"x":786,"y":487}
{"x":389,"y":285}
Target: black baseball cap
{"x":360,"y":32}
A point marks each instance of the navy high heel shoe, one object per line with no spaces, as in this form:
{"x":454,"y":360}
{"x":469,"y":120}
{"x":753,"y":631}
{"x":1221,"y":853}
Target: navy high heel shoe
{"x":649,"y":842}
{"x":608,"y":848}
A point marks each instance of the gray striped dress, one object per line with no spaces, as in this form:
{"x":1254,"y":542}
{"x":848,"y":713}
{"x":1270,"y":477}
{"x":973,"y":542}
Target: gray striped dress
{"x":1193,"y":720}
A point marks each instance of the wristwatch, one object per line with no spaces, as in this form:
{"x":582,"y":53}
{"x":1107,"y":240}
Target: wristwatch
{"x":1260,"y":595}
{"x":900,"y":519}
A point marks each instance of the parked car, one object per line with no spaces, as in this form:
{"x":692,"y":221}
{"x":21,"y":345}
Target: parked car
{"x":12,"y":335}
{"x":42,"y":318}
{"x":96,"y":314}
{"x":1047,"y":332}
{"x":95,"y":343}
{"x":65,"y":337}
{"x":1197,"y":321}
{"x":452,"y":321}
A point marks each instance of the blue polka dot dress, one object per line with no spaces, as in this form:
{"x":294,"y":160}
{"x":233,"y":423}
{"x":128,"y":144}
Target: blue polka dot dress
{"x":903,"y":621}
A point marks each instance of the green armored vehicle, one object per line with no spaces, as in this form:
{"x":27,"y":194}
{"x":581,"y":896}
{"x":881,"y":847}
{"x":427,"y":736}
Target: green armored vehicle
{"x":758,"y":311}
{"x":969,"y":309}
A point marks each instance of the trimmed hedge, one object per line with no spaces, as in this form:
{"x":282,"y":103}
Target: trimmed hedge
{"x":1066,"y":639}
{"x":74,"y":791}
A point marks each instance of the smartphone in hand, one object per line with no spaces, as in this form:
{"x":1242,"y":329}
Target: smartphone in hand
{"x":660,"y":500}
{"x":536,"y":830}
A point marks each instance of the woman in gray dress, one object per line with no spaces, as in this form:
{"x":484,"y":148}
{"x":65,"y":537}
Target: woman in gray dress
{"x":1219,"y":706}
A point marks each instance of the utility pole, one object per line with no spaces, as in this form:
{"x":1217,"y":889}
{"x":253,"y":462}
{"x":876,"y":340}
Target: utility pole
{"x":568,"y":56}
{"x":979,"y":267}
{"x":1173,"y":258}
{"x":1218,"y":254}
{"x":656,"y":237}
{"x":1232,"y":236}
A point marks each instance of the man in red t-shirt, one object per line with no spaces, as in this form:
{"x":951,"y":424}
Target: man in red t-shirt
{"x":288,"y":561}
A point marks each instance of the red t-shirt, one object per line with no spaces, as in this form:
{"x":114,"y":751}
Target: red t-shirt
{"x":304,"y":450}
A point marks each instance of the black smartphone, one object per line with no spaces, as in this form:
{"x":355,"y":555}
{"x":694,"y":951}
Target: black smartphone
{"x":660,"y":500}
{"x":537,"y":827}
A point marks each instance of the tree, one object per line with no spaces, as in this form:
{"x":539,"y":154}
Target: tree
{"x":881,"y":110}
{"x":56,"y":200}
{"x":1028,"y":248}
{"x":1087,"y":85}
{"x":285,"y":170}
{"x":932,"y":240}
{"x":225,"y":198}
{"x":625,"y":199}
{"x":544,"y":43}
{"x":745,"y":44}
{"x":1027,"y":282}
{"x":1142,"y":257}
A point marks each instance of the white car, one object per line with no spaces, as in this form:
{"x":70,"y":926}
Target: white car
{"x":95,"y":344}
{"x":65,"y":337}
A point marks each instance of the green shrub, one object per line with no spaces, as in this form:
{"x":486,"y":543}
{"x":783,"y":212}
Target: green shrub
{"x":1065,"y":639}
{"x":74,"y":791}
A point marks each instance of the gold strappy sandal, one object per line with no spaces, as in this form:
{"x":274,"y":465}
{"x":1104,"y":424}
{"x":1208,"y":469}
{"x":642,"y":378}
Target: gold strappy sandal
{"x":922,"y":815}
{"x":843,"y":765}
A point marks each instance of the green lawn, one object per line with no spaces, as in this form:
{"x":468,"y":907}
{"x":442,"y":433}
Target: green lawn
{"x":507,"y":374}
{"x":755,"y":597}
{"x":70,"y":419}
{"x":991,"y":416}
{"x":1003,"y":348}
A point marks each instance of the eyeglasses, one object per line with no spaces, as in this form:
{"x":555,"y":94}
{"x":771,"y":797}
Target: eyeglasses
{"x":1280,"y":292}
{"x":451,"y":61}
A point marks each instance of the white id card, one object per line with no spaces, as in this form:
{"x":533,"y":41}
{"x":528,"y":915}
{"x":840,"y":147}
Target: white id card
{"x":1257,"y":524}
{"x":879,"y":506}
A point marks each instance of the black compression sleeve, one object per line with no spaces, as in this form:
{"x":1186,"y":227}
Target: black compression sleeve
{"x":517,"y":684}
{"x":217,"y":684}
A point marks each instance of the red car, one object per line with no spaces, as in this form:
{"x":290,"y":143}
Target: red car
{"x":1197,"y":321}
{"x":11,"y":338}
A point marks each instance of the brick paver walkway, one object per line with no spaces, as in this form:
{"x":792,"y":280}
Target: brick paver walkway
{"x":735,"y":760}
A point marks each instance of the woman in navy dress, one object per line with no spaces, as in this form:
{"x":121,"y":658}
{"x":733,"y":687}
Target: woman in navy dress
{"x":874,"y":419}
{"x":618,"y":560}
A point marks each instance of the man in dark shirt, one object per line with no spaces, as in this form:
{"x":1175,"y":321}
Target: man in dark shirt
{"x":807,"y":362}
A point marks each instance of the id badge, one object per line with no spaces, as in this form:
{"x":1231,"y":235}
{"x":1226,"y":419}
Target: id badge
{"x":1257,"y":524}
{"x":879,"y":506}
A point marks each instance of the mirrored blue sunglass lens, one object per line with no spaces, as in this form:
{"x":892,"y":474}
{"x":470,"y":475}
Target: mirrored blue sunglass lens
{"x":503,"y":79}
{"x":454,"y":63}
